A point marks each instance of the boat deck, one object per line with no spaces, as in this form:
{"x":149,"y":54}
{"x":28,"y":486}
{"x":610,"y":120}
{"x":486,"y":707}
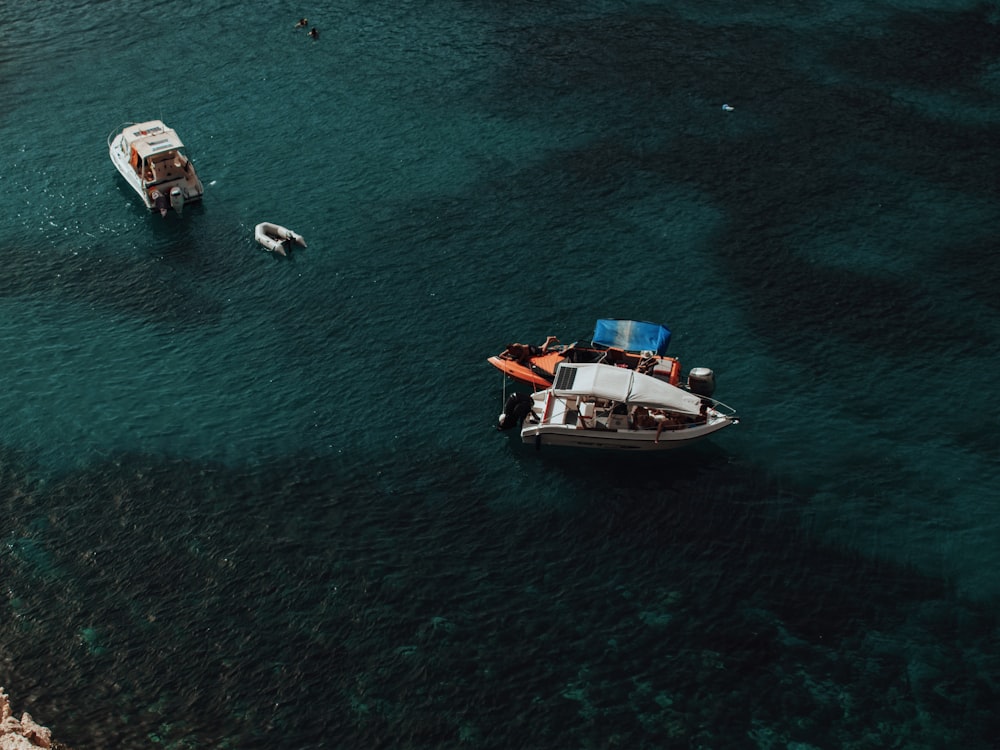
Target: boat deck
{"x":166,"y":170}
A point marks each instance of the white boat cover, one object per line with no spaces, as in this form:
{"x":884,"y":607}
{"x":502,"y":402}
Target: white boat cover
{"x":152,"y":137}
{"x":624,"y":386}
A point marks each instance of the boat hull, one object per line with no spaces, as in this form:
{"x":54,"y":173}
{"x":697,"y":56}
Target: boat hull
{"x":631,"y":344}
{"x":618,"y":440}
{"x":538,"y":371}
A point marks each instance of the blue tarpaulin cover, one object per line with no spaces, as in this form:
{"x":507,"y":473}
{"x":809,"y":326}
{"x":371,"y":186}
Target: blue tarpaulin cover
{"x":631,"y":335}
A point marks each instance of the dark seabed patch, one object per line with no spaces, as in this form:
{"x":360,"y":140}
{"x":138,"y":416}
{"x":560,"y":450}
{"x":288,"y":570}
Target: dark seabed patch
{"x":148,"y":289}
{"x":686,"y":611}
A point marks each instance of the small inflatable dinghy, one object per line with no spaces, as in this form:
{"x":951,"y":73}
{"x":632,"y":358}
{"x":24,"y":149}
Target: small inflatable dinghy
{"x":275,"y":237}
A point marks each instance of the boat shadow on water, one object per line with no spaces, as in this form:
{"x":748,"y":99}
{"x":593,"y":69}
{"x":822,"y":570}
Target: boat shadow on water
{"x":181,"y":238}
{"x":682,"y":464}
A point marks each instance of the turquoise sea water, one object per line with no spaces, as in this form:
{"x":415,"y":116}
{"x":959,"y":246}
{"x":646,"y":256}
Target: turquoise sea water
{"x":248,"y":501}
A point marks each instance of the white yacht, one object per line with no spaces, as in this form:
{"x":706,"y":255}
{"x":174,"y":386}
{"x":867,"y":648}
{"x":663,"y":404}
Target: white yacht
{"x":148,"y":155}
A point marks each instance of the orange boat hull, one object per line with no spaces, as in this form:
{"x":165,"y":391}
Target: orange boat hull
{"x":539,"y":370}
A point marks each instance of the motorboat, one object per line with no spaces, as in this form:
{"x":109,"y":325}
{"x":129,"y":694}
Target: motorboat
{"x":613,"y":408}
{"x":149,"y":156}
{"x":276,"y":238}
{"x":630,"y":344}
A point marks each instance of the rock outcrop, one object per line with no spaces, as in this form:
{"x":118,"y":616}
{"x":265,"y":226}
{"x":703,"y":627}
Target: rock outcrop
{"x":23,"y":734}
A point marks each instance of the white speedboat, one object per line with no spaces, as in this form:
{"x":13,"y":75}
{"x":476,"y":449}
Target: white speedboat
{"x":276,"y":237}
{"x":148,"y":155}
{"x":596,"y":406}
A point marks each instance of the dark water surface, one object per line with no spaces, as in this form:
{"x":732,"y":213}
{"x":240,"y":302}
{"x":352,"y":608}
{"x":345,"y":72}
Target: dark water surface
{"x":248,"y":501}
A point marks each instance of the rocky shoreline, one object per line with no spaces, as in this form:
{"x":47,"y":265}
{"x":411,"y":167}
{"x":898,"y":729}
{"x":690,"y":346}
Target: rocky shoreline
{"x":23,"y":733}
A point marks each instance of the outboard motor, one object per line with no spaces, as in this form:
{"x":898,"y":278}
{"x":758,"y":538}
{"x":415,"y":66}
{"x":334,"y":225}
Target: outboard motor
{"x":160,"y":202}
{"x":177,"y":199}
{"x":518,"y":406}
{"x":701,"y":381}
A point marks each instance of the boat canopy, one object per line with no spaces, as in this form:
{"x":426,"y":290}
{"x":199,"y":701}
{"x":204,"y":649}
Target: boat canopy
{"x":631,"y":335}
{"x":624,"y":386}
{"x":153,"y":137}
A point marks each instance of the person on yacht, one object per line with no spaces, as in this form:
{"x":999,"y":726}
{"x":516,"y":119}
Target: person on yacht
{"x":524,"y":352}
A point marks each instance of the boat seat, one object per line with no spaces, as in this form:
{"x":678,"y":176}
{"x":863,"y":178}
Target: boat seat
{"x":557,"y":414}
{"x":163,"y":174}
{"x":617,"y":422}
